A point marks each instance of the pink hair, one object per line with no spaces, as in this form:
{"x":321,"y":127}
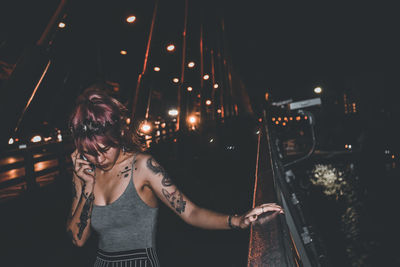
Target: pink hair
{"x":100,"y":119}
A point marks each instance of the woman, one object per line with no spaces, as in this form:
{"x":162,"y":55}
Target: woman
{"x":116,"y":187}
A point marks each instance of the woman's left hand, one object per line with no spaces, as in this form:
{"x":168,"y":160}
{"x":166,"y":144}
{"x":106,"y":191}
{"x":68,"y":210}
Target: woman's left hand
{"x":245,"y":220}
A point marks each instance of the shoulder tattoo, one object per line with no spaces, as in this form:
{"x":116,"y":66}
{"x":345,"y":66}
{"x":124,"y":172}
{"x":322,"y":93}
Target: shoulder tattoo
{"x":157,"y":169}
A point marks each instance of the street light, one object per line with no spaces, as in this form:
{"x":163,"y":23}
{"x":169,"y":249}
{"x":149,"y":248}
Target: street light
{"x":206,"y":77}
{"x":156,"y":68}
{"x":173,"y":112}
{"x":123,"y":52}
{"x":318,"y":90}
{"x":170,"y":47}
{"x":191,"y":64}
{"x":61,"y":25}
{"x":130,"y":19}
{"x":145,"y":127}
{"x":192,"y":119}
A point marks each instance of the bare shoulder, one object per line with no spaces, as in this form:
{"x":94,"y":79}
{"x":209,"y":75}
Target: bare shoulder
{"x":142,"y":159}
{"x":151,"y":168}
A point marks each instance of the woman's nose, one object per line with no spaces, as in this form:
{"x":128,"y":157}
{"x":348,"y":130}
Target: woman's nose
{"x":100,"y":158}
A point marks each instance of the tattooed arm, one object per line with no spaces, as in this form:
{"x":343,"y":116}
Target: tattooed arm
{"x":160,"y":183}
{"x":78,"y":224}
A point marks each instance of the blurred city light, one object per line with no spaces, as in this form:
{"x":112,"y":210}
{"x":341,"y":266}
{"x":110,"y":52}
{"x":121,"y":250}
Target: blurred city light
{"x":59,"y":136}
{"x":130,"y":19}
{"x":173,"y":112}
{"x":123,"y":52}
{"x":191,"y":64}
{"x":175,"y":80}
{"x":128,"y":120}
{"x":192,"y":119}
{"x":216,"y":85}
{"x":61,"y":25}
{"x":11,"y":141}
{"x":219,"y":111}
{"x":206,"y":77}
{"x":157,"y":69}
{"x":36,"y":139}
{"x":146,"y":127}
{"x":208,"y":102}
{"x":190,"y":88}
{"x":318,"y":90}
{"x":170,"y":47}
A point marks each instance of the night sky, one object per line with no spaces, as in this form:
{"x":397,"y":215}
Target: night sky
{"x":290,"y":46}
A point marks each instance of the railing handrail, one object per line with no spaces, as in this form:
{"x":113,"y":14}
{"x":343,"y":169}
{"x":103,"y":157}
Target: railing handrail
{"x":58,"y":152}
{"x":282,"y":240}
{"x":270,"y":242}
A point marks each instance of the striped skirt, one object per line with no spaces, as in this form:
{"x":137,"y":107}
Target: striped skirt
{"x":146,"y":257}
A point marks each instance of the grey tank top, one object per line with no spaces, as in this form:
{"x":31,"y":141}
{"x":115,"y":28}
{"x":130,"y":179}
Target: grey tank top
{"x":125,"y":224}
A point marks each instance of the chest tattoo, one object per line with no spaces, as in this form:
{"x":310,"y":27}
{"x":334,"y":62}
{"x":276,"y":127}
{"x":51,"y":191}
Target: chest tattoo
{"x":124,"y":173}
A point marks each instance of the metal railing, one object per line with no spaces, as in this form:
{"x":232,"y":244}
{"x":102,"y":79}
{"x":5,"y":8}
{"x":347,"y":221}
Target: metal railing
{"x":278,"y":240}
{"x":25,"y":166}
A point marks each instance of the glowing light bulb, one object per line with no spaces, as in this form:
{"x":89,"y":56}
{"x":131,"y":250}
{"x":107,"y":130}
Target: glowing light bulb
{"x":130,"y":19}
{"x":170,"y":47}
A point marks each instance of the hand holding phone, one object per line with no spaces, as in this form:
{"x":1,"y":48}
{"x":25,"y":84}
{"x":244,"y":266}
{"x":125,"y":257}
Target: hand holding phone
{"x":90,"y":164}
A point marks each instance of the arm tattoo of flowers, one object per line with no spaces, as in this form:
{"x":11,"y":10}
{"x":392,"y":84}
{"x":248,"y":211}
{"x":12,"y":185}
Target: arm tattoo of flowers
{"x":156,"y":168}
{"x":85,"y":215}
{"x":175,"y":199}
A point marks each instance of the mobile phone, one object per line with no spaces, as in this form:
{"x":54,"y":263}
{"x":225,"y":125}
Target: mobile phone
{"x":90,"y":164}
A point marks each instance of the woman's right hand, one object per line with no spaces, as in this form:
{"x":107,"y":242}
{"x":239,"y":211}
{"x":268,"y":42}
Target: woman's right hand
{"x":82,"y":168}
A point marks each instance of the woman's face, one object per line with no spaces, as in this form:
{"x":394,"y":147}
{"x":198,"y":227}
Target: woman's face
{"x":104,"y":159}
